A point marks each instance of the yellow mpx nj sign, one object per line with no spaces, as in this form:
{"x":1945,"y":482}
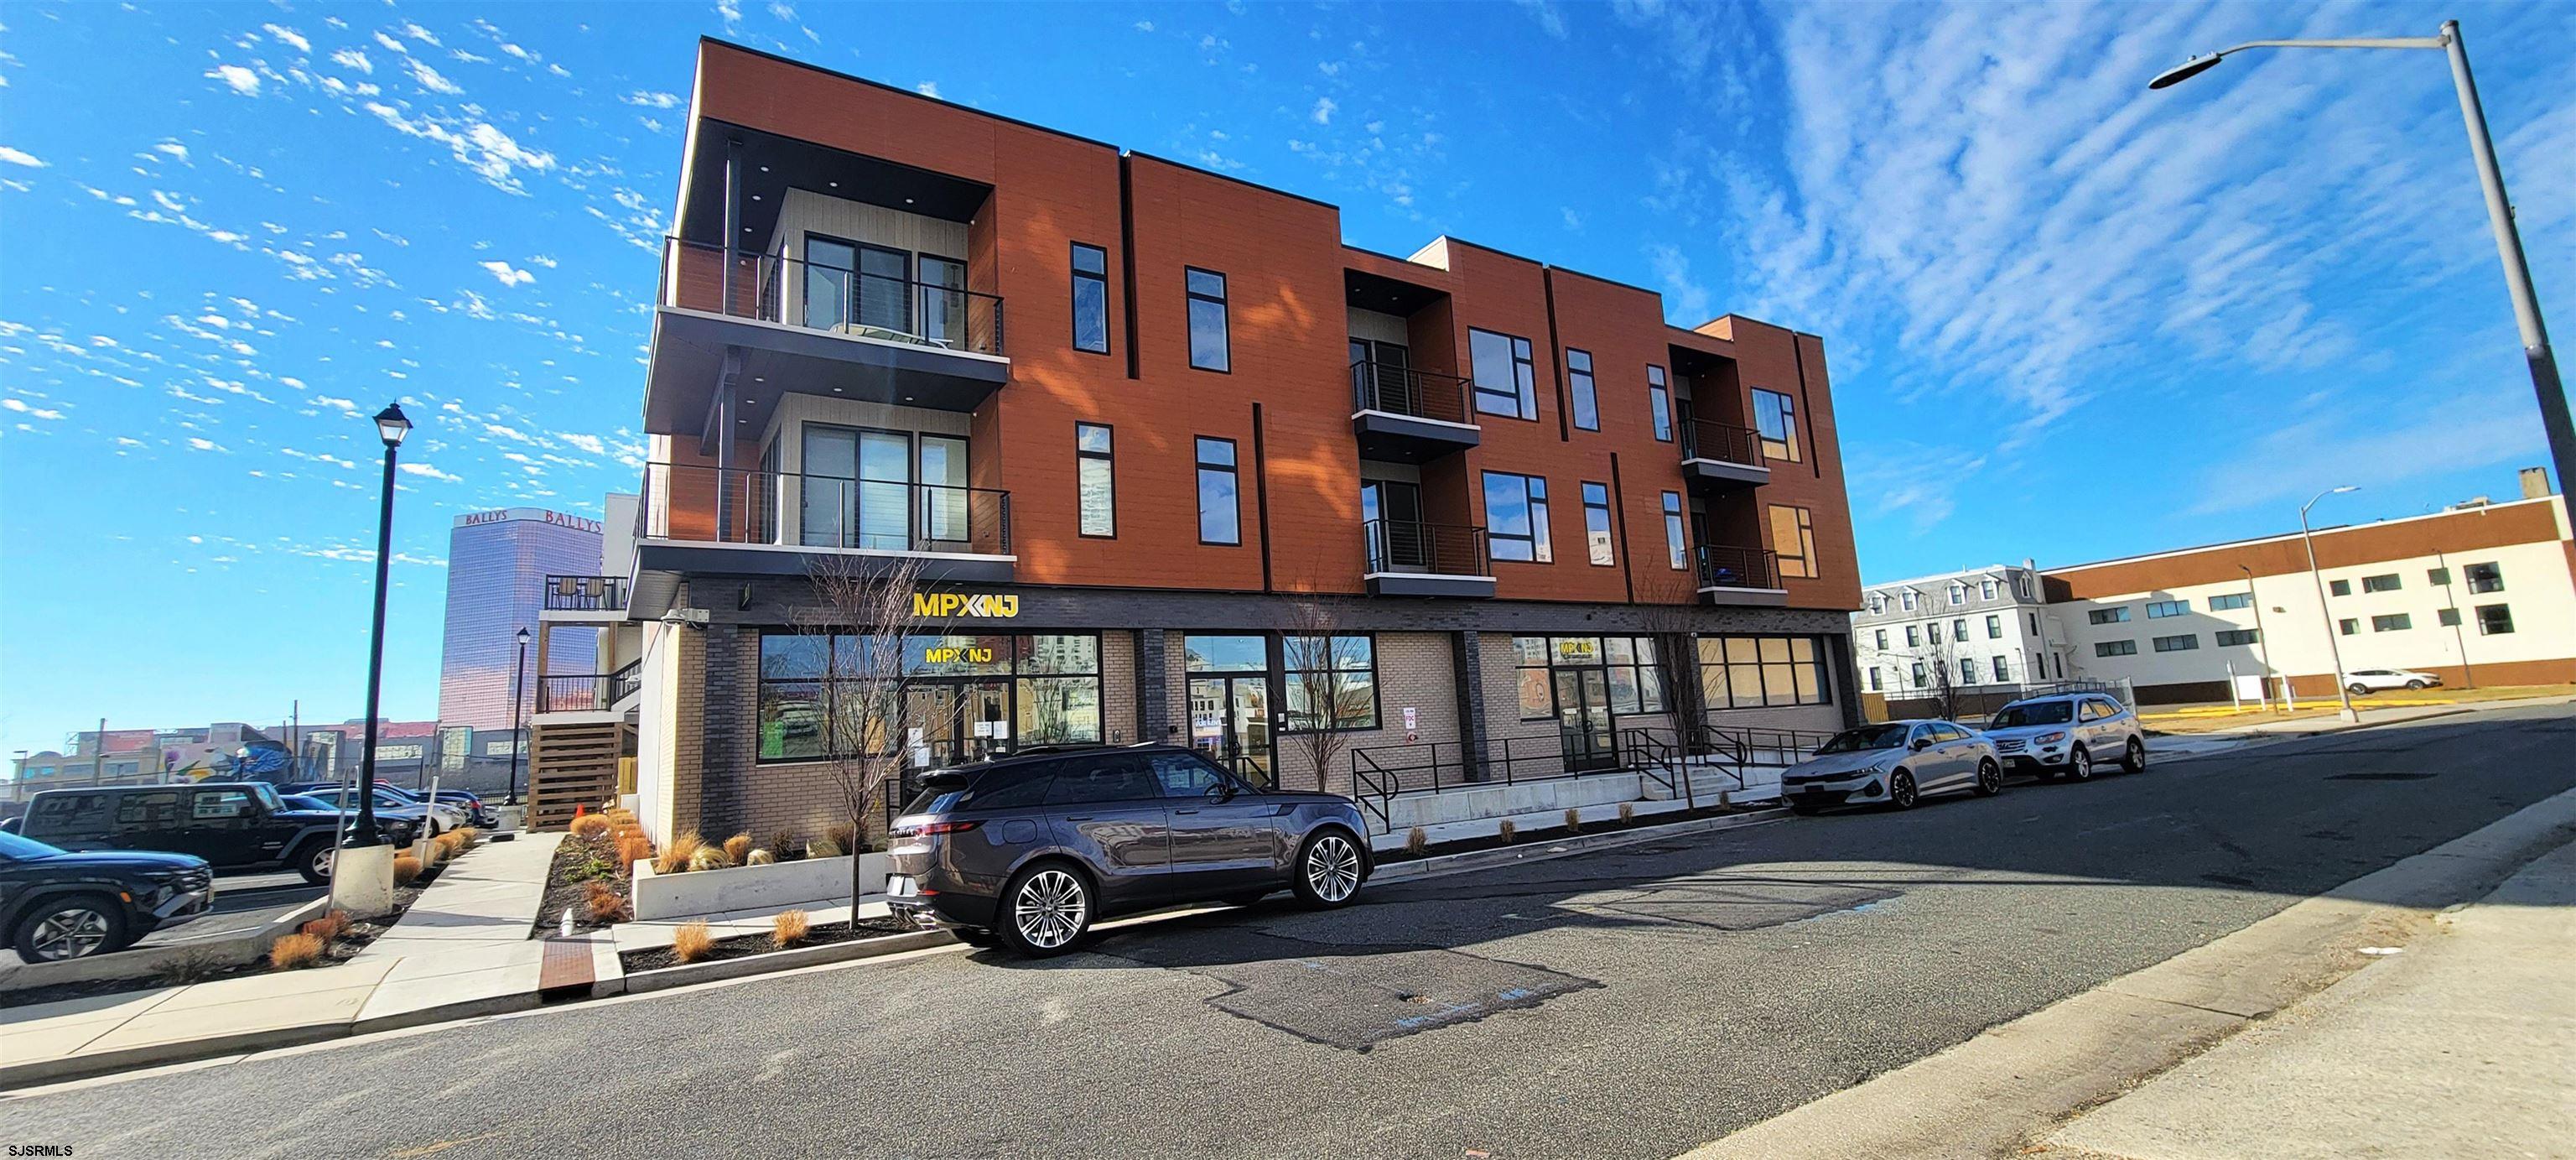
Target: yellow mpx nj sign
{"x":947,"y":604}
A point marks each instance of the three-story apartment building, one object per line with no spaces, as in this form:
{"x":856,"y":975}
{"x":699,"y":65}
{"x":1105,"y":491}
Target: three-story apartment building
{"x":1156,"y":430}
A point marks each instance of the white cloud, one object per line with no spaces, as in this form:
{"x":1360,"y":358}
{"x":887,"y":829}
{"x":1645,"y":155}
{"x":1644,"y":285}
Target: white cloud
{"x":1144,"y":26}
{"x":242,"y":80}
{"x":652,"y":99}
{"x":589,"y":443}
{"x":290,"y":36}
{"x":392,"y":45}
{"x":207,"y":445}
{"x":509,"y":275}
{"x":1551,"y":19}
{"x":427,"y":471}
{"x":1324,"y":107}
{"x":341,"y":404}
{"x":353,"y":58}
{"x":20,"y":157}
{"x":416,"y":32}
{"x":431,"y":79}
{"x":20,"y":406}
{"x":927,"y":88}
{"x":479,"y":145}
{"x":172,"y":149}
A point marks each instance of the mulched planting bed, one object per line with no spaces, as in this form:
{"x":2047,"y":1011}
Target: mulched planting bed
{"x":207,"y":970}
{"x":1558,"y":833}
{"x":578,"y":862}
{"x":742,"y":946}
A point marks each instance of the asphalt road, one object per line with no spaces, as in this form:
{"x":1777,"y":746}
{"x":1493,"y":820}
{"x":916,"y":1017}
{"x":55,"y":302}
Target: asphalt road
{"x":1626,"y":1003}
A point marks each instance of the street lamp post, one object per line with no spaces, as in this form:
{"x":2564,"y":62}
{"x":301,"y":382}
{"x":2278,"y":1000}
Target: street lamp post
{"x":362,"y":877}
{"x":2333,"y":648}
{"x":2554,"y":419}
{"x":518,"y":676}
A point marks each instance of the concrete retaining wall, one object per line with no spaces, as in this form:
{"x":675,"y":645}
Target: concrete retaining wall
{"x":658,"y":896}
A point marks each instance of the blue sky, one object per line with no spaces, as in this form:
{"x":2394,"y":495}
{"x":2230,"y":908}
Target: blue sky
{"x":2066,"y":319}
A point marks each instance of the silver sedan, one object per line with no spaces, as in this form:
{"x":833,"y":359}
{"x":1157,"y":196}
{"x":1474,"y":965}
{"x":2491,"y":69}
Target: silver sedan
{"x":1894,"y":764}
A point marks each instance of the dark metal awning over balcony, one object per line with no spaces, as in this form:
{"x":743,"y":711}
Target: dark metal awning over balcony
{"x":1719,"y":457}
{"x":1403,"y":415}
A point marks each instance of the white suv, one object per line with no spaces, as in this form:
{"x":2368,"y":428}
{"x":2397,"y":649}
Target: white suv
{"x":2361,"y":681}
{"x":2067,"y":734}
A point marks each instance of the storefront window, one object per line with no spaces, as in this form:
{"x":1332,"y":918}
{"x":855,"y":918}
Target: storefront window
{"x":1332,"y":682}
{"x":1750,"y":672}
{"x":1059,"y":689}
{"x":961,"y":701}
{"x":1624,"y":666}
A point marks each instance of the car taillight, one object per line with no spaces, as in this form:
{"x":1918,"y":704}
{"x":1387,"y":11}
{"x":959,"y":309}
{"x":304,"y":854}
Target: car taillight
{"x":927,"y":829}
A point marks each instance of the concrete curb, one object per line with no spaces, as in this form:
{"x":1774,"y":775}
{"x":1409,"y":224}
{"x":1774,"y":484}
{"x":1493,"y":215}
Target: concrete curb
{"x":1999,"y":1090}
{"x":774,"y":961}
{"x":1542,"y":850}
{"x":143,"y":962}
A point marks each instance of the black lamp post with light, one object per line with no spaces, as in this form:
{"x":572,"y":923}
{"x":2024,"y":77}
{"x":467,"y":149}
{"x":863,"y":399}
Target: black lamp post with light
{"x":518,"y":705}
{"x":362,"y":879}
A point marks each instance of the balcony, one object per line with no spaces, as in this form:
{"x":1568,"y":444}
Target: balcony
{"x":746,"y":522}
{"x":774,"y":322}
{"x":584,"y":598}
{"x":1404,"y":415}
{"x":588,"y":692}
{"x":1718,"y":457}
{"x":1410,"y":558}
{"x":1732,"y":575}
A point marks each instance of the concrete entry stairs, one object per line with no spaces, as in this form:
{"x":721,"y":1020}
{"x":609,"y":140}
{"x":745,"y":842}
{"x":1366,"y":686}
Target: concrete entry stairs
{"x":1413,"y":787}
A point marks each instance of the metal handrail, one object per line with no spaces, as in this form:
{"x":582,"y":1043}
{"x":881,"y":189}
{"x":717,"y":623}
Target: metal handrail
{"x":585,"y":593}
{"x":775,"y":287}
{"x":1409,"y":391}
{"x":1727,"y":566}
{"x":1661,"y":761}
{"x":1439,"y":549}
{"x":588,"y":692}
{"x":1756,"y":745}
{"x":1723,"y":442}
{"x":1433,"y":766}
{"x":740,"y":505}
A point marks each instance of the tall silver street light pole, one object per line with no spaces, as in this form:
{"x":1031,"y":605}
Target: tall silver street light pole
{"x":2333,"y":648}
{"x":2517,"y":272}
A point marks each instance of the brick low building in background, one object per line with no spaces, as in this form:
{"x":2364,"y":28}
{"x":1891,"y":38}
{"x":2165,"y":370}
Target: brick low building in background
{"x":1145,"y":422}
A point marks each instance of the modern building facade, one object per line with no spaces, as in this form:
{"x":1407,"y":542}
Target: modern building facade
{"x":1172,"y":462}
{"x":497,"y":564}
{"x":1981,"y":631}
{"x":2481,"y":593}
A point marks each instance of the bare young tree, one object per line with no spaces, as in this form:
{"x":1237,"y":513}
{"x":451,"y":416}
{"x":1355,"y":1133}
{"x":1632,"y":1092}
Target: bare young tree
{"x":866,"y":616}
{"x":1325,"y":693}
{"x":1940,"y":684}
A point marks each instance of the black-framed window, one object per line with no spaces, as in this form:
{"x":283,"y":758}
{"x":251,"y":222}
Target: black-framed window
{"x":1596,"y":524}
{"x":2339,"y":587}
{"x":2447,"y":618}
{"x":2115,"y":648}
{"x":1920,"y":678}
{"x":1210,"y":343}
{"x":808,"y":679}
{"x":1873,"y":679}
{"x":1750,"y":672}
{"x":2437,"y":577}
{"x":2238,"y":636}
{"x":1959,"y":629}
{"x":1881,"y":643}
{"x":1516,"y":517}
{"x":1934,"y":629}
{"x":2383,"y":583}
{"x":1635,"y":684}
{"x":1331,"y":682}
{"x":1994,"y":626}
{"x":2392,"y":622}
{"x":1967,"y":670}
{"x":1220,"y":499}
{"x":1504,"y":374}
{"x":1659,"y":404}
{"x":2003,"y":671}
{"x":1913,"y":635}
{"x":2347,"y":626}
{"x":1676,"y":538}
{"x":1775,"y":419}
{"x":2108,"y":615}
{"x":2484,"y":578}
{"x":2495,"y":619}
{"x":2159,"y":609}
{"x":1090,"y":298}
{"x":1096,"y":479}
{"x":2182,"y":643}
{"x":2230,"y":601}
{"x":1584,"y":399}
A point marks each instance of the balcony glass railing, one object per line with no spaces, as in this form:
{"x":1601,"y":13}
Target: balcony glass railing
{"x":734,"y":505}
{"x":1723,"y":442}
{"x":1723,"y":566}
{"x":1436,"y":549}
{"x":1415,"y":394}
{"x":829,"y":297}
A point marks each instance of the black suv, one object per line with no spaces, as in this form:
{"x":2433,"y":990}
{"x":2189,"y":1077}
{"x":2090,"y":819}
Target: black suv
{"x":56,"y":905}
{"x":233,"y":825}
{"x":1029,"y":850}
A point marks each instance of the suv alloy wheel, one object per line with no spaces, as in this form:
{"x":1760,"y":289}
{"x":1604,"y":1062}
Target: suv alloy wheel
{"x":1328,"y":870}
{"x":2079,"y":764}
{"x":2133,"y":757}
{"x":71,"y":927}
{"x":1045,"y":910}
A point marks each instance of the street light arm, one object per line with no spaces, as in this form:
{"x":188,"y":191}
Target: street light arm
{"x":2360,"y":42}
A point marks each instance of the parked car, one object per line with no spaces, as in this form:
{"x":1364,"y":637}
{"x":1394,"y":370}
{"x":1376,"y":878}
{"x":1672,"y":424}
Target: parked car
{"x":231,"y":825}
{"x":2068,"y":733}
{"x":2361,"y":681}
{"x":465,"y":803}
{"x":56,"y":904}
{"x":390,"y":804}
{"x":1029,"y":850}
{"x":1894,"y":764}
{"x":398,"y":831}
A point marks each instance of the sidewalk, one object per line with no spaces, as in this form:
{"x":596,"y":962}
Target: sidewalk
{"x":2462,"y":1045}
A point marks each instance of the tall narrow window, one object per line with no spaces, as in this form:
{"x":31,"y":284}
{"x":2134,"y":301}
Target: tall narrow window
{"x":1659,"y":404}
{"x":1516,"y":517}
{"x":1586,"y":402}
{"x":1596,"y":522}
{"x":1506,"y":380}
{"x":1095,"y":479}
{"x":1679,"y":548}
{"x":1090,"y":298}
{"x":1775,"y":418}
{"x":1793,"y":537}
{"x":1220,"y":517}
{"x":1209,"y":349}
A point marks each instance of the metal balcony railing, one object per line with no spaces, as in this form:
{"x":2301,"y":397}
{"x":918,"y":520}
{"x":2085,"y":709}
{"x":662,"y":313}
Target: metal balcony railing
{"x":1416,"y":394}
{"x":586,"y":593}
{"x":736,"y":505}
{"x":1723,"y":442}
{"x":588,"y":692}
{"x":1438,"y":549}
{"x":777,"y":287}
{"x":1723,"y":566}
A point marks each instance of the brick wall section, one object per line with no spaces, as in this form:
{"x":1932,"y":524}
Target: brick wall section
{"x":688,"y":732}
{"x":725,"y":745}
{"x":1118,"y":693}
{"x":1153,"y":678}
{"x":1413,"y":668}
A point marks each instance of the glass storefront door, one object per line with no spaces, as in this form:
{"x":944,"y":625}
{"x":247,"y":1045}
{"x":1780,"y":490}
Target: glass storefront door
{"x":959,"y":721}
{"x":1230,"y":722}
{"x":1583,"y":719}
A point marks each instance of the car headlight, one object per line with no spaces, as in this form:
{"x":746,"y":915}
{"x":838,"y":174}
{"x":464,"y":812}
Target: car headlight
{"x":2051,"y":738}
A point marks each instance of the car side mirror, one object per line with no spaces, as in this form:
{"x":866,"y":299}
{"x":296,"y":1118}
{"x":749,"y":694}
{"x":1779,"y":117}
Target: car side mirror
{"x":1222,"y":791}
{"x":1922,"y":743}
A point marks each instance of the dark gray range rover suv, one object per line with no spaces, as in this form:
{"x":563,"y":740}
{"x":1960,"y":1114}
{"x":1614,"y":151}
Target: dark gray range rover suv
{"x":1030,"y":850}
